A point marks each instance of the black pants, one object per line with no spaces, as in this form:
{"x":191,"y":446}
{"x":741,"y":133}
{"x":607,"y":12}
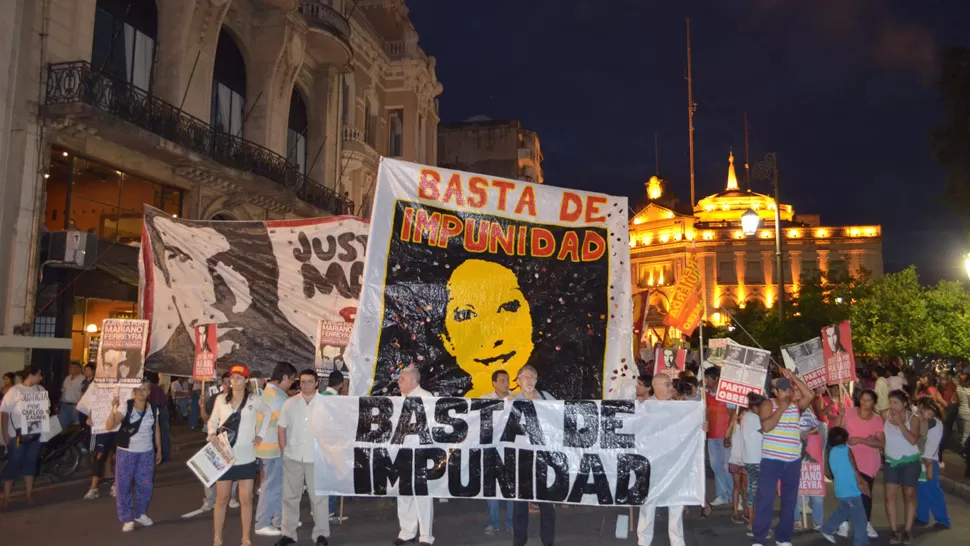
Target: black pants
{"x":867,"y":499}
{"x":520,"y":523}
{"x":949,"y":420}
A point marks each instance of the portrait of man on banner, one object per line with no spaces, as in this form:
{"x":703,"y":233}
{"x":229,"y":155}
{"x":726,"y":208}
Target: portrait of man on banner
{"x":837,"y":351}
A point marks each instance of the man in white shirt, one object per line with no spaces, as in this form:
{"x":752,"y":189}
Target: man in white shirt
{"x":500,"y":382}
{"x":415,"y":514}
{"x":71,"y":392}
{"x":297,"y":445}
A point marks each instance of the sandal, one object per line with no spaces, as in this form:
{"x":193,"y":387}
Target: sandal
{"x":737,"y":519}
{"x":708,"y":509}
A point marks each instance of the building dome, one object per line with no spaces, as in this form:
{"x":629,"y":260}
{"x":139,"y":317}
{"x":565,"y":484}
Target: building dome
{"x":730,"y":204}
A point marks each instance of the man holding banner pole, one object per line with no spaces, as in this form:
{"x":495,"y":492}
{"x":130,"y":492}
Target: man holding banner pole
{"x":415,"y":514}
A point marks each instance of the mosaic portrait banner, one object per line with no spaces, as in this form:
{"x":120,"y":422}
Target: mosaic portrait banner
{"x":469,"y":274}
{"x":265,"y":286}
{"x":592,"y":452}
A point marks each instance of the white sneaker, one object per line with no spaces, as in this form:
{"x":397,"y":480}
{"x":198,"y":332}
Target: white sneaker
{"x":114,"y":490}
{"x":144,"y":520}
{"x":829,"y":538}
{"x":233,"y":503}
{"x":871,"y":532}
{"x":268,"y":532}
{"x":128,"y":527}
{"x":92,"y":494}
{"x":783,"y":544}
{"x":843,"y":530}
{"x":718,"y":501}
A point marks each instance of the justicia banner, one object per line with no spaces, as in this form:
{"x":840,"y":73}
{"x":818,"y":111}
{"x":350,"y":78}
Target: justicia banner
{"x":592,"y":452}
{"x":264,"y":286}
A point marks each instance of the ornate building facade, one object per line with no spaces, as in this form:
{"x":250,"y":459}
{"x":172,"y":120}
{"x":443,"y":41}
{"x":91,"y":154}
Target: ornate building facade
{"x":736,"y":269}
{"x":495,"y":147}
{"x":208,"y":109}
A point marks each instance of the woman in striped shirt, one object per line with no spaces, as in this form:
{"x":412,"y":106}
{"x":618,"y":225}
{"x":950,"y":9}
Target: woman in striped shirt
{"x":781,"y":457}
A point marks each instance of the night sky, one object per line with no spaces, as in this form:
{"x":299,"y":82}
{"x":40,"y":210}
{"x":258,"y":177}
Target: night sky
{"x":843,"y":90}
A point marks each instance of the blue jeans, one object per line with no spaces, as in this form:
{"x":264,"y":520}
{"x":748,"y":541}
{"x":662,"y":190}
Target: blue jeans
{"x":789,"y":473}
{"x":183,"y":405}
{"x":494,"y":515}
{"x":22,"y":460}
{"x":718,"y":456}
{"x":269,"y":509}
{"x":815,"y":504}
{"x":853,"y":510}
{"x":66,"y":414}
{"x":194,"y":410}
{"x":929,"y":498}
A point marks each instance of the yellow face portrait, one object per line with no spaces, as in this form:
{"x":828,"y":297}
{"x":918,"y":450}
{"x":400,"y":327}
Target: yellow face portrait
{"x":488,"y":322}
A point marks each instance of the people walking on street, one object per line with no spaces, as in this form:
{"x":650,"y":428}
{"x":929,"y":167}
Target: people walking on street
{"x":269,"y":508}
{"x":236,"y":413}
{"x":71,"y":391}
{"x":415,"y":514}
{"x":296,"y":443}
{"x":180,"y":390}
{"x":903,"y":467}
{"x":751,"y":455}
{"x":527,"y":378}
{"x":866,"y":440}
{"x":500,"y":386}
{"x":849,"y":488}
{"x":718,"y":419}
{"x":139,"y":449}
{"x":780,"y":457}
{"x":929,"y":496}
{"x":23,"y":439}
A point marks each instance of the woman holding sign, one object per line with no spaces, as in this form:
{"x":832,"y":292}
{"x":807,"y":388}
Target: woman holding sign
{"x":235,"y":413}
{"x":139,"y":449}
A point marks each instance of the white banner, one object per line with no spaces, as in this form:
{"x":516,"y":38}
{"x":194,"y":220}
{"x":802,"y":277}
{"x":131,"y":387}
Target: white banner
{"x":467,"y":274}
{"x":606,"y":453}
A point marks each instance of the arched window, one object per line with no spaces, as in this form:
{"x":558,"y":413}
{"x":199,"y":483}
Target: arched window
{"x":296,"y":131}
{"x":228,"y":87}
{"x":349,"y":100}
{"x":396,"y":147}
{"x":124,"y":40}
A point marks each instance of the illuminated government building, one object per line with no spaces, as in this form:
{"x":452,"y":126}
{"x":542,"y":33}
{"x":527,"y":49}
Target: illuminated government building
{"x":736,"y":269}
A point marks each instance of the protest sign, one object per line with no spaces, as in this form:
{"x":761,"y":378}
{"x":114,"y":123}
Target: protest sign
{"x":96,"y":403}
{"x":121,"y":353}
{"x":742,"y":371}
{"x":686,"y":307}
{"x":212,"y":461}
{"x":331,"y":340}
{"x":265,"y":286}
{"x":206,"y":349}
{"x":28,"y":409}
{"x":839,"y":360}
{"x":808,"y":359}
{"x":608,"y":453}
{"x":716,"y":349}
{"x":670,"y":361}
{"x":812,"y":481}
{"x":470,"y":274}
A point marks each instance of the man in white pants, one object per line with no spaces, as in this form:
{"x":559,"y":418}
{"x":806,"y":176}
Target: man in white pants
{"x":297,"y":443}
{"x":415,"y":514}
{"x":663,"y":389}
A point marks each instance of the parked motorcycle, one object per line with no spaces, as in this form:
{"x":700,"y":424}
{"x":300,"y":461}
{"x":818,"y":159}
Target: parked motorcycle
{"x":61,"y":456}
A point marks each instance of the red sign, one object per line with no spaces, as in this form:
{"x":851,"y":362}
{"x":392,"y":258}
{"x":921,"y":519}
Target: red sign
{"x":732,"y":392}
{"x":837,"y":349}
{"x":206,"y":352}
{"x":685,"y":310}
{"x":669,"y":361}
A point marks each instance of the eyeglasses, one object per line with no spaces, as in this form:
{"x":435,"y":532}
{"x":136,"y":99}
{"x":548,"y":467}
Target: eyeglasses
{"x":308,"y":382}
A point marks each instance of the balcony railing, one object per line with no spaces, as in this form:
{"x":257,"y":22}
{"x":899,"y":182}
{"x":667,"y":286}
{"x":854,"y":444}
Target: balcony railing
{"x":321,"y":15}
{"x":69,"y":83}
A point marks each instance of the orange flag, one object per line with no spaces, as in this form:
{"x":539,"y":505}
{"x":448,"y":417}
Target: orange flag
{"x":686,"y":305}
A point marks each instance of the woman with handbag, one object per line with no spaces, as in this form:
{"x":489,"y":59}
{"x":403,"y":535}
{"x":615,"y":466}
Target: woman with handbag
{"x":138,"y":447}
{"x":236,"y":413}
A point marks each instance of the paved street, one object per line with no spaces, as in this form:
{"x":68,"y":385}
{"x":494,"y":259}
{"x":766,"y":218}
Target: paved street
{"x":60,"y":514}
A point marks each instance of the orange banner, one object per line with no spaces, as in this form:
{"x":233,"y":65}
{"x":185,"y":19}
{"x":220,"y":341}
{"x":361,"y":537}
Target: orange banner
{"x":686,"y":308}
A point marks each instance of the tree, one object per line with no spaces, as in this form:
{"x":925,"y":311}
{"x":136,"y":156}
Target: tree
{"x":950,"y":141}
{"x":893,"y":319}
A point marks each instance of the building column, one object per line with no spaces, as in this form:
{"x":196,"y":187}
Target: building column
{"x":795,"y":257}
{"x":854,"y":262}
{"x":823,"y":262}
{"x":324,"y":135}
{"x":708,"y":267}
{"x":768,"y":263}
{"x":739,"y":271}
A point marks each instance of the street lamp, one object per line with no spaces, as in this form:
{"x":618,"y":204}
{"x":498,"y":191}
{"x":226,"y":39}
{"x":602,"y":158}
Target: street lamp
{"x":92,"y":328}
{"x":750,"y":221}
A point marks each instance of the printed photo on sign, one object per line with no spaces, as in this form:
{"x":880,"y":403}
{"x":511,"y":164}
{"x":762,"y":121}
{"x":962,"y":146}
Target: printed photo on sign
{"x":212,"y":461}
{"x":332,"y":338}
{"x":808,"y":359}
{"x":670,"y":361}
{"x":96,"y":404}
{"x":264,"y":285}
{"x":743,"y":370}
{"x":481,"y":275}
{"x":601,"y":453}
{"x":33,"y":408}
{"x":837,"y":350}
{"x":121,"y":353}
{"x":716,"y":349}
{"x":206,"y":352}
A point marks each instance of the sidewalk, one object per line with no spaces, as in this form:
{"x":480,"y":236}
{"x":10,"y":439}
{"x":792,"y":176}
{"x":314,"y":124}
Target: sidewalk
{"x":953,"y":477}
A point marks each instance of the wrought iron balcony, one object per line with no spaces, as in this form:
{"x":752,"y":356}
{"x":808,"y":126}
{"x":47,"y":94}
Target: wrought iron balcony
{"x":319,"y":14}
{"x":76,"y":82}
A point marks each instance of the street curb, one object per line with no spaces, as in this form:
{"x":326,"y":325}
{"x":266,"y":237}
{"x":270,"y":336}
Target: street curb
{"x":955,"y":488}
